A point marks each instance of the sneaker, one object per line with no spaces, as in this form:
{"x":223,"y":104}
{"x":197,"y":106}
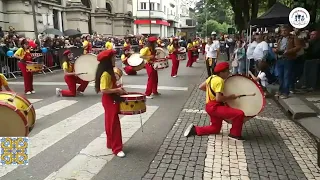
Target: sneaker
{"x":121,"y":154}
{"x":190,"y":131}
{"x":149,"y":97}
{"x":174,"y":76}
{"x":58,"y":92}
{"x":237,"y":138}
{"x":284,"y":96}
{"x":79,"y":93}
{"x":28,"y":93}
{"x":33,"y":92}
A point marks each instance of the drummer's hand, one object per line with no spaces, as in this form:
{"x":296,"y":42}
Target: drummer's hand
{"x":151,"y":56}
{"x":121,"y":91}
{"x":233,"y":96}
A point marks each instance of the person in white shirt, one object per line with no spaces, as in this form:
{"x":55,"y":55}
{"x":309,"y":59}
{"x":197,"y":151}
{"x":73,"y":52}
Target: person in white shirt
{"x":260,"y":53}
{"x":212,"y":53}
{"x":249,"y":53}
{"x":261,"y":78}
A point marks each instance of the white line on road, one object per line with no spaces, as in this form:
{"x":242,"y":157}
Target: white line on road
{"x":95,"y":156}
{"x":54,"y":107}
{"x":170,"y":88}
{"x":34,"y":100}
{"x":55,"y":133}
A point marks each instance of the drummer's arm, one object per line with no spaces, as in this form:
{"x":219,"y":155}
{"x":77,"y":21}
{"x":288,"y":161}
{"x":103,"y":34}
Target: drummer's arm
{"x":7,"y":88}
{"x":106,"y":85}
{"x":65,"y":70}
{"x":4,"y":82}
{"x":203,"y":86}
{"x":18,"y":53}
{"x":253,"y":76}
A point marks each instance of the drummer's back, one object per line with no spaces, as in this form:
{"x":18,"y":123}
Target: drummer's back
{"x":217,"y":84}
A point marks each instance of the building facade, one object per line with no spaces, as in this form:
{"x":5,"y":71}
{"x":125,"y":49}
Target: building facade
{"x":187,"y":24}
{"x":107,"y":17}
{"x":156,"y":17}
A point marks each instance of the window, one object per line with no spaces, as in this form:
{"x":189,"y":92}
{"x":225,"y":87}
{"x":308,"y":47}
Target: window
{"x":151,"y":6}
{"x":158,"y":7}
{"x":143,"y":5}
{"x":164,"y":9}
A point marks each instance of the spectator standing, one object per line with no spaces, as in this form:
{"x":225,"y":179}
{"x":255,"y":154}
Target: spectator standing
{"x":1,"y":33}
{"x":250,"y":57}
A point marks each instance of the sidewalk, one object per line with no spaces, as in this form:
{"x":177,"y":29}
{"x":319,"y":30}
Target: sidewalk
{"x":275,"y":148}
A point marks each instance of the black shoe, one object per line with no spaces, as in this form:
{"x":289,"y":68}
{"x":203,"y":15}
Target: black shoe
{"x":190,"y":131}
{"x":237,"y":138}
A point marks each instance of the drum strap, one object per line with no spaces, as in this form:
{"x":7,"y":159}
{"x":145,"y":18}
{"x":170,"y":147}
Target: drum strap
{"x":211,"y":90}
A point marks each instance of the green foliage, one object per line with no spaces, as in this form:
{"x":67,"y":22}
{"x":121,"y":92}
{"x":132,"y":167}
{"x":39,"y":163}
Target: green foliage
{"x":212,"y":25}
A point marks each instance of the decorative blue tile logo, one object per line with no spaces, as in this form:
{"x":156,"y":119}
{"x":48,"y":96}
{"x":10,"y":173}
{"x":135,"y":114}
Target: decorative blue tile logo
{"x":14,"y":151}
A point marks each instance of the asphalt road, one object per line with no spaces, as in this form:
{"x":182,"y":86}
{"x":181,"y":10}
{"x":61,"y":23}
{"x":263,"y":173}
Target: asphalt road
{"x":68,"y":140}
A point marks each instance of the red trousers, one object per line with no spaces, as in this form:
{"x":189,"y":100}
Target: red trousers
{"x":112,"y":124}
{"x":129,"y":70}
{"x":190,"y":59}
{"x":27,"y":77}
{"x":152,"y":85}
{"x":72,"y":82}
{"x":218,"y":113}
{"x":175,"y":64}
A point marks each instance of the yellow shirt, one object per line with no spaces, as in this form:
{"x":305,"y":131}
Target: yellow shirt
{"x":217,"y":85}
{"x":125,"y":44}
{"x":3,"y":80}
{"x":171,"y":49}
{"x":109,"y":45}
{"x":21,"y":53}
{"x":140,"y":42}
{"x":159,"y":41}
{"x":123,"y":57}
{"x":105,"y":81}
{"x":65,"y":66}
{"x":145,"y":52}
{"x":189,"y":46}
{"x":85,"y":45}
{"x":195,"y":43}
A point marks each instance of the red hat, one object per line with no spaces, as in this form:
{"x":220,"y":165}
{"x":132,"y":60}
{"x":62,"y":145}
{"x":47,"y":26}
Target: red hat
{"x":152,"y":39}
{"x":66,"y":52}
{"x":221,"y":67}
{"x":104,"y":55}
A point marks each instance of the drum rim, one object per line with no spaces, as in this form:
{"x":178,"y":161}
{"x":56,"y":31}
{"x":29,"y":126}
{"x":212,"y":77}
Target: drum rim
{"x":22,"y":116}
{"x":24,"y":99}
{"x":84,"y":76}
{"x":160,"y":60}
{"x":260,"y":89}
{"x":135,"y":98}
{"x":132,"y":112}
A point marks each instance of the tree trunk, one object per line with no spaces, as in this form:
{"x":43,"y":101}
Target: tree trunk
{"x":313,"y":13}
{"x":238,"y":14}
{"x":254,"y":9}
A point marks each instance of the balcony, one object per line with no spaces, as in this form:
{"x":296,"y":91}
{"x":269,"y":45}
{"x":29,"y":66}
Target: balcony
{"x":171,"y":17}
{"x":153,"y":14}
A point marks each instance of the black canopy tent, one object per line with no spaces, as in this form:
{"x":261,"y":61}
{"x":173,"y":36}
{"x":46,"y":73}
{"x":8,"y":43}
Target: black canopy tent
{"x":277,"y":14}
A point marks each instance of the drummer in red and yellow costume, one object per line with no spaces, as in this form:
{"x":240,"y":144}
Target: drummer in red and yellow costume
{"x":4,"y":83}
{"x":148,"y":54}
{"x":216,"y":108}
{"x":109,"y":44}
{"x":71,"y":78}
{"x":127,"y":44}
{"x":196,"y":46}
{"x":87,"y":46}
{"x":23,"y":55}
{"x":105,"y":82}
{"x":141,"y":43}
{"x":124,"y":58}
{"x":173,"y":53}
{"x":190,"y":50}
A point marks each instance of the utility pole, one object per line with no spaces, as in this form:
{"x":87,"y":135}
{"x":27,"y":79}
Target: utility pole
{"x":150,"y":17}
{"x":34,"y":20}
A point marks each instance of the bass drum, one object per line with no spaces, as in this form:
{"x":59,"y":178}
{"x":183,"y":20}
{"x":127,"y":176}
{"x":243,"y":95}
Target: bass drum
{"x":251,"y":101}
{"x":86,"y":66}
{"x":136,"y":62}
{"x":160,"y":53}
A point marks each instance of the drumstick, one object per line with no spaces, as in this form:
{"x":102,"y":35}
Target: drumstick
{"x":243,"y":95}
{"x":121,"y":82}
{"x":81,"y":73}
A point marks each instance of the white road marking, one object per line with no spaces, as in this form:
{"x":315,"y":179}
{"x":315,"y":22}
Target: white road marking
{"x":95,"y":156}
{"x":169,"y":88}
{"x":54,"y":107}
{"x":55,"y":133}
{"x":34,"y":100}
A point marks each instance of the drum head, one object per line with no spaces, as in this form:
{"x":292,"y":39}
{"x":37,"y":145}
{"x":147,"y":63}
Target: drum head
{"x":160,"y":53}
{"x":241,"y":85}
{"x":86,"y":64}
{"x":135,"y":60}
{"x":12,"y":123}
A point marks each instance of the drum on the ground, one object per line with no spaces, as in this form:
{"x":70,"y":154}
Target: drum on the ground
{"x":251,"y":101}
{"x":34,"y":67}
{"x":118,"y":73}
{"x":86,"y":67}
{"x":160,"y":53}
{"x":18,"y":115}
{"x":136,"y":62}
{"x":135,"y":103}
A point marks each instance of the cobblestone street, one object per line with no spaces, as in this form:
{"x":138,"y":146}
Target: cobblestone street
{"x":275,"y":148}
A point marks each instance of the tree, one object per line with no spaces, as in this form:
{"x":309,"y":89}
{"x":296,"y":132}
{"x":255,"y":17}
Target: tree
{"x":212,"y":25}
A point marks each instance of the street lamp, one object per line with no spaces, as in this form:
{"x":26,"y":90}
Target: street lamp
{"x":34,"y":20}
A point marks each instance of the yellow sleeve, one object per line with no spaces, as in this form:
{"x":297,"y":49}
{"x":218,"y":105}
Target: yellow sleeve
{"x":85,"y":43}
{"x":123,"y":57}
{"x":189,"y":46}
{"x":106,"y":45}
{"x":105,"y":81}
{"x":19,"y":52}
{"x":3,"y":80}
{"x":143,"y":51}
{"x":217,"y":85}
{"x":125,"y":45}
{"x":65,"y":66}
{"x":171,"y":49}
{"x":194,"y":43}
{"x":140,"y":42}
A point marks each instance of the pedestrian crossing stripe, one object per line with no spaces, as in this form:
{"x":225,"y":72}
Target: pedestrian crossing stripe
{"x":45,"y":138}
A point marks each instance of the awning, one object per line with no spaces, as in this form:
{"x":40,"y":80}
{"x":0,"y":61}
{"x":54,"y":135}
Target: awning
{"x":147,"y":21}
